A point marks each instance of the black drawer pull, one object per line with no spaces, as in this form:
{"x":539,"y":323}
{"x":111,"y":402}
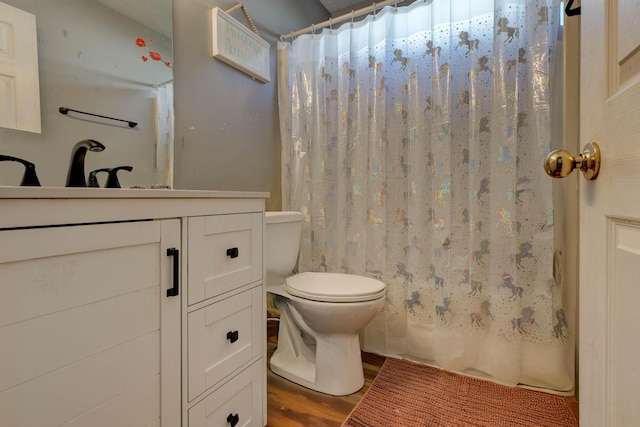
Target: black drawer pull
{"x":232,"y":253}
{"x":175,"y":290}
{"x":232,"y":336}
{"x":233,"y":419}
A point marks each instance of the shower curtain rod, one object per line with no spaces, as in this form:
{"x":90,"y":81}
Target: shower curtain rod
{"x":341,"y":18}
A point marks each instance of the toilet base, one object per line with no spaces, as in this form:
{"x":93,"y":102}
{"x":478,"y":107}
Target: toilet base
{"x":327,"y":363}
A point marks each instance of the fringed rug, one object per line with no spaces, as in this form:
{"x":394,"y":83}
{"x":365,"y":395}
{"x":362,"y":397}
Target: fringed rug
{"x":407,"y":394}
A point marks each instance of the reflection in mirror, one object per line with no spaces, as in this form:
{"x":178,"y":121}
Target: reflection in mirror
{"x":110,"y":58}
{"x":19,"y":88}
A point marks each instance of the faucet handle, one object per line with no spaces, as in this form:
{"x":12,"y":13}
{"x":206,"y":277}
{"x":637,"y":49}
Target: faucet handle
{"x":29,"y":179}
{"x":112,"y":179}
{"x":93,"y":179}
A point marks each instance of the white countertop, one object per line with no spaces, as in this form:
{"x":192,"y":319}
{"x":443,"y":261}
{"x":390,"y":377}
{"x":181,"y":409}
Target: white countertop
{"x":122,"y":193}
{"x":22,"y":207}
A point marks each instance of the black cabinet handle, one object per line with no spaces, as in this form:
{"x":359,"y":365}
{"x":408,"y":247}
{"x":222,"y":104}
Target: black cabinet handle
{"x":233,"y":419}
{"x":232,"y":336}
{"x":232,"y":253}
{"x":172,"y":292}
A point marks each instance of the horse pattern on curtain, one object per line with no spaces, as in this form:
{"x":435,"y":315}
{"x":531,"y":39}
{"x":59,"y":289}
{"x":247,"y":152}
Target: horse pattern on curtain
{"x":413,"y":143}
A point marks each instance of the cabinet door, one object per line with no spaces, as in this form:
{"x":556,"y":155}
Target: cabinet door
{"x":225,"y":252}
{"x":89,"y":336}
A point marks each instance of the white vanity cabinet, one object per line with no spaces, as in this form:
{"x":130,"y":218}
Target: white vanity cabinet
{"x":131,"y":307}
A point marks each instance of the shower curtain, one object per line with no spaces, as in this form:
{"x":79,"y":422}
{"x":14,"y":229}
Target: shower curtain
{"x":413,"y":143}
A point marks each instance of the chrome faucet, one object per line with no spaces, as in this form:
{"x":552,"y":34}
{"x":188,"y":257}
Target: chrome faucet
{"x":76,"y":177}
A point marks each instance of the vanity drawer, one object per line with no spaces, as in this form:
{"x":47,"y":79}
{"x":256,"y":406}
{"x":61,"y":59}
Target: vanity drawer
{"x":225,"y":252}
{"x":224,"y":336}
{"x":239,"y":400}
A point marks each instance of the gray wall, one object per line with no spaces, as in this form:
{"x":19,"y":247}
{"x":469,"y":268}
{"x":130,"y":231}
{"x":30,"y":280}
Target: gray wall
{"x":227,"y":133}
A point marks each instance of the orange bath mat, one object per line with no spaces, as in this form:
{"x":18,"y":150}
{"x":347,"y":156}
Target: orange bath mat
{"x":407,"y":394}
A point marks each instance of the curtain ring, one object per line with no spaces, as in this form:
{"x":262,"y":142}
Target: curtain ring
{"x":353,"y":15}
{"x":331,"y":23}
{"x":313,"y":30}
{"x":374,"y":11}
{"x":395,"y":5}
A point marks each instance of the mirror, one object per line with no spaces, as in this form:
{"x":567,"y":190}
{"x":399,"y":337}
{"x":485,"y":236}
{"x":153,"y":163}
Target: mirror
{"x":109,"y":58}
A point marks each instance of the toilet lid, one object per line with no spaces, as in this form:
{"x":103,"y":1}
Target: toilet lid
{"x":334,"y":287}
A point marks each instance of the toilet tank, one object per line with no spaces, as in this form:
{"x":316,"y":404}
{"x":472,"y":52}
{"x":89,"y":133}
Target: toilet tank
{"x":282,"y":241}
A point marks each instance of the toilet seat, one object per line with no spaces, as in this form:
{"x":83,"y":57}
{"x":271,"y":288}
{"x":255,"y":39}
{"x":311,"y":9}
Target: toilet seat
{"x":334,"y":287}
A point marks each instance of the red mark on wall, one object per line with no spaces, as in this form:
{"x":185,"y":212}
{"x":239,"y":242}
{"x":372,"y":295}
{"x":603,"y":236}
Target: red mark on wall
{"x":152,"y":53}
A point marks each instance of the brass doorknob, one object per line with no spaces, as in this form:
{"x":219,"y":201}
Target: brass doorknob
{"x":560,"y":163}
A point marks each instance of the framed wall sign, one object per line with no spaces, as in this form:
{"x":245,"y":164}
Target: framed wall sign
{"x":236,"y":45}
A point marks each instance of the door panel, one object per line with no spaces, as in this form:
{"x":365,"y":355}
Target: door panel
{"x":624,"y":321}
{"x":627,"y":56}
{"x":609,"y":378}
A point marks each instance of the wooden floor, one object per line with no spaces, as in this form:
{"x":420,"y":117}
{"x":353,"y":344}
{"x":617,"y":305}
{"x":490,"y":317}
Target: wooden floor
{"x":291,"y":405}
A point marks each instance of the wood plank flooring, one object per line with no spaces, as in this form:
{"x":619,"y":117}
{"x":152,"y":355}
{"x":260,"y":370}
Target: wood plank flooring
{"x":291,"y":405}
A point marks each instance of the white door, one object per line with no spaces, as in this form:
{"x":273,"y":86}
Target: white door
{"x":609,"y":302}
{"x":19,"y":88}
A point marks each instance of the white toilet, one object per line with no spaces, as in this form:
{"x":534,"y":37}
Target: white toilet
{"x":320,"y":314}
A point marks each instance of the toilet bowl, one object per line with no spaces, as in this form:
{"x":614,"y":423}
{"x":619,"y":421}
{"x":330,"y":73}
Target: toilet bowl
{"x":320,"y":314}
